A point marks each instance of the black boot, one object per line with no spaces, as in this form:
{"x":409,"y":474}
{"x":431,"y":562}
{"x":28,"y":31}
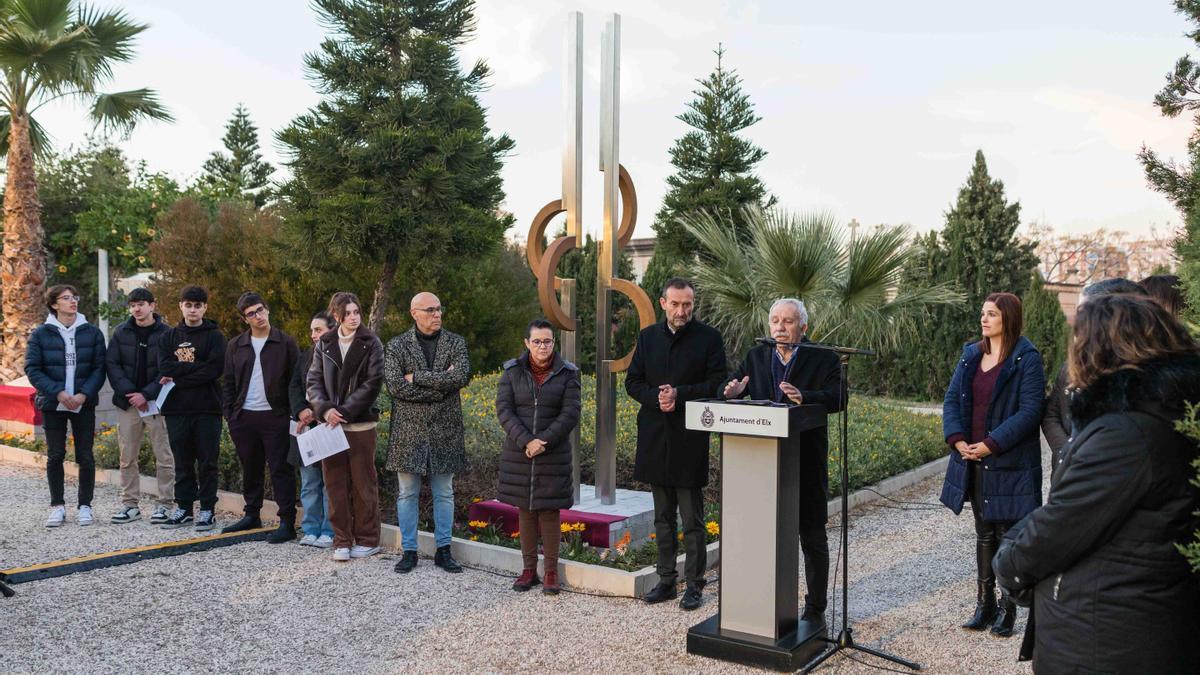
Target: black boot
{"x":444,"y":560}
{"x":1006,"y":616}
{"x":985,"y":607}
{"x":284,"y":533}
{"x":407,"y":562}
{"x":660,"y":593}
{"x":247,"y":522}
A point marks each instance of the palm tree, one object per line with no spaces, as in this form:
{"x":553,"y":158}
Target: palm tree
{"x":50,"y":50}
{"x":851,"y":287}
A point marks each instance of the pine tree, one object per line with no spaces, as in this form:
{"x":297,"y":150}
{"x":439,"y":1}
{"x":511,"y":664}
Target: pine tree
{"x":396,"y":168}
{"x":241,"y":174}
{"x":1046,"y":326}
{"x":1180,"y":182}
{"x":714,"y":172}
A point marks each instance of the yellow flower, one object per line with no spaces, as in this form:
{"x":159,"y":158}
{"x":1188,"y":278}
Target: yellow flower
{"x":62,"y":269}
{"x":474,"y":538}
{"x":150,"y":232}
{"x":478,"y":524}
{"x":713,"y":528}
{"x":476,"y":500}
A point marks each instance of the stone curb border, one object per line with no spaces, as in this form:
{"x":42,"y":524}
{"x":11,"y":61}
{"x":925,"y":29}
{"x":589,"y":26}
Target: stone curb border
{"x":576,"y":575}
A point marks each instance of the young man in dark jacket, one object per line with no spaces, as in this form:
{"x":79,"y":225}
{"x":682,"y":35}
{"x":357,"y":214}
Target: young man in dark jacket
{"x":675,"y":361}
{"x":798,"y":375}
{"x":64,"y":362}
{"x":133,"y":373}
{"x":258,"y":369}
{"x":192,"y":356}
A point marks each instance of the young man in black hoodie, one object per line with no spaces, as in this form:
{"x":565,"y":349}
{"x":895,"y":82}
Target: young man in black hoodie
{"x":132,"y":359}
{"x":258,"y":370}
{"x":192,"y":355}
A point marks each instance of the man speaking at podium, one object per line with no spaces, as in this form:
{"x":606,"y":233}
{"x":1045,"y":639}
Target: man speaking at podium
{"x":781,"y":372}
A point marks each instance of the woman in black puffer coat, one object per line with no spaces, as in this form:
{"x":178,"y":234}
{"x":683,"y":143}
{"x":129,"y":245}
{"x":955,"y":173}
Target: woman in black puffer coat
{"x":537,"y":401}
{"x":1111,"y":591}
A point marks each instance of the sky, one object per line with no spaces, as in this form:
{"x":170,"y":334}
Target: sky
{"x":871,"y":110}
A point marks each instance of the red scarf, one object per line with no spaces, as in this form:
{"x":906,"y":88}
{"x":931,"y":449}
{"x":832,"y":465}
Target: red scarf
{"x":540,"y":373}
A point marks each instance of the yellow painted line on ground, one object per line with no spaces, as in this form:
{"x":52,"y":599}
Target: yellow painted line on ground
{"x":127,"y":551}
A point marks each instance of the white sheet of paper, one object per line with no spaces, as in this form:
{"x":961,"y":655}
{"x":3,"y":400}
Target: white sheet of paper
{"x":320,"y":442}
{"x":162,"y":395}
{"x":151,"y":409}
{"x":63,"y":408}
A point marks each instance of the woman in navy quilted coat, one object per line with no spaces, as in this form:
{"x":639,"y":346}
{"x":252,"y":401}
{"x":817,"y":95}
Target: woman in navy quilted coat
{"x":990,"y":420}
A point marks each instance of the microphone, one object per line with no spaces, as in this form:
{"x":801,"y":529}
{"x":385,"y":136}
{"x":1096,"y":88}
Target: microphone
{"x":815,"y":345}
{"x":774,"y":342}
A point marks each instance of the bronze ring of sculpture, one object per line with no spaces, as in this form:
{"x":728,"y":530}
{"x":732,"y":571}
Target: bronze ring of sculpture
{"x":543,"y":261}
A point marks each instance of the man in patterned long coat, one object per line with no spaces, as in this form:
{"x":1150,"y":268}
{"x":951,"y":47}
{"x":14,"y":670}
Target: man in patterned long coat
{"x":425,"y":367}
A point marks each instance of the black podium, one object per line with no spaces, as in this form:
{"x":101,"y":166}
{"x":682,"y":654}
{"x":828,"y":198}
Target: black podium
{"x":758,"y":622}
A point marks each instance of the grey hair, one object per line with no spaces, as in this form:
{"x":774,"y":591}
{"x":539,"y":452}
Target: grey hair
{"x":795,"y":304}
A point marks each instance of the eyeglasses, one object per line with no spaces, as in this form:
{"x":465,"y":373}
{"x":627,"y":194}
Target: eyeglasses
{"x":432,"y":310}
{"x":256,"y":312}
{"x":68,"y":298}
{"x":542,"y":343}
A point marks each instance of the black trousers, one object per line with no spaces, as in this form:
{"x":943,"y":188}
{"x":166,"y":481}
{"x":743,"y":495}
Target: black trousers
{"x":689,"y":503}
{"x":814,"y":544}
{"x":196,"y":444}
{"x":261,"y":439}
{"x":987,"y":534}
{"x":83,"y":431}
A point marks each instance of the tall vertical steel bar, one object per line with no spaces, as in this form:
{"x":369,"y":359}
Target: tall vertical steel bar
{"x":572,"y":191}
{"x":102,"y":284}
{"x":606,"y":263}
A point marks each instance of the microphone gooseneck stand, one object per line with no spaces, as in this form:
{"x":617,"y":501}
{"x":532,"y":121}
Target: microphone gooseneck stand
{"x":845,"y":639}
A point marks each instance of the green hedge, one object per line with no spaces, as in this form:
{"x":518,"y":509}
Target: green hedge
{"x":886,"y":439}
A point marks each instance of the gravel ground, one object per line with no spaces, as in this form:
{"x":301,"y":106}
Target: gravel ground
{"x":288,"y":608}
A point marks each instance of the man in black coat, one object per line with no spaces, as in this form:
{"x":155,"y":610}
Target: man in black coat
{"x":675,"y":361}
{"x":258,"y":370}
{"x":132,"y":365}
{"x":798,"y":375}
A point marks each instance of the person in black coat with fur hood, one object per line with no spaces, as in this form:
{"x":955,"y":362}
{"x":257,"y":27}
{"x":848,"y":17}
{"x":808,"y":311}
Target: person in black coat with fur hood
{"x":537,"y":401}
{"x":1111,"y":591}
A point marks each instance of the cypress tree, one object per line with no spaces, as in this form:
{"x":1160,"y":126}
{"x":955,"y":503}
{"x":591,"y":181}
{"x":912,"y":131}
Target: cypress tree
{"x":239,"y":173}
{"x":1046,"y":326}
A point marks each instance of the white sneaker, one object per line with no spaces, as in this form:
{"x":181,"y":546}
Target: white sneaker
{"x":341,"y":554}
{"x":324,"y":541}
{"x":58,"y":514}
{"x":85,"y":516}
{"x":308,"y":540}
{"x":127,"y":514}
{"x":363,"y":551}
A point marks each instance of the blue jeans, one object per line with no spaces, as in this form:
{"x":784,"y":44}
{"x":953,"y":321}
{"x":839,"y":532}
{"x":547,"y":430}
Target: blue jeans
{"x":407,"y":507}
{"x":315,"y":502}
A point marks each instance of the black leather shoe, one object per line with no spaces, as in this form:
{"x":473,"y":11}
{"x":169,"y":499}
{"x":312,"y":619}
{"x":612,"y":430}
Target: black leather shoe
{"x":247,"y":522}
{"x":1006,"y":616}
{"x":284,"y":533}
{"x":985,"y":608}
{"x":692,"y":597}
{"x":813,"y":616}
{"x":660,"y":593}
{"x":444,"y":560}
{"x":407,"y":562}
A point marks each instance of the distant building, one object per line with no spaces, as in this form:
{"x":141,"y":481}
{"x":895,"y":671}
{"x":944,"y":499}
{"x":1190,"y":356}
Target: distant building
{"x":640,"y":250}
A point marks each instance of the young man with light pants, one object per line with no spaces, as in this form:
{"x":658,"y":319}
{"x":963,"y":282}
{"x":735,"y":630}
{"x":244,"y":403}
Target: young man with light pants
{"x":132,"y":360}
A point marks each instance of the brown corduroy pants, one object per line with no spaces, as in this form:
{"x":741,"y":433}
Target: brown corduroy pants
{"x":353,"y":489}
{"x":543,"y":521}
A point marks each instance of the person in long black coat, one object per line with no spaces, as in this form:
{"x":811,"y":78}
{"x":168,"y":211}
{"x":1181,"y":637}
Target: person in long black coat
{"x":675,"y":361}
{"x":1111,"y":591}
{"x":798,"y":375}
{"x":538,"y":404}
